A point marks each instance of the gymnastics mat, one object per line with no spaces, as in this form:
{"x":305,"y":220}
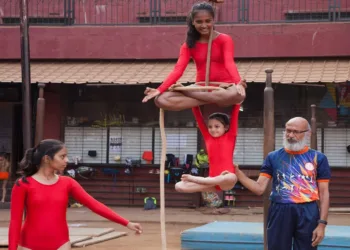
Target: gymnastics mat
{"x":221,"y":235}
{"x":3,"y":241}
{"x":81,"y":231}
{"x":4,"y":231}
{"x":98,"y":239}
{"x":79,"y":237}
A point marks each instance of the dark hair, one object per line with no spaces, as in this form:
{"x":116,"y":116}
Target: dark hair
{"x":192,"y":34}
{"x":221,"y":117}
{"x":30,"y":163}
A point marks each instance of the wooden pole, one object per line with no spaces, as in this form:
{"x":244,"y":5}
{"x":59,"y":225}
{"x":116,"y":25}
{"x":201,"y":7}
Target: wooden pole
{"x":269,"y":139}
{"x":40,"y":115}
{"x":25,"y":65}
{"x":313,"y":127}
{"x":210,"y":42}
{"x":161,"y":180}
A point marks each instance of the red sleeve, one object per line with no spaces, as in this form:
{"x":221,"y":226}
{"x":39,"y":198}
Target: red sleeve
{"x":228,"y":51}
{"x":178,"y":70}
{"x":200,"y":121}
{"x":97,"y":207}
{"x":17,"y":207}
{"x":234,"y":120}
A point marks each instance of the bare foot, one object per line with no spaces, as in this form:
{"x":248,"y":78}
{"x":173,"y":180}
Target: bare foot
{"x":188,"y":178}
{"x":174,"y":86}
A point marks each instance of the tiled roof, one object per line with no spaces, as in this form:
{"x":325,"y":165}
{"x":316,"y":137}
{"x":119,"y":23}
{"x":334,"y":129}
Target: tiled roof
{"x":141,"y":72}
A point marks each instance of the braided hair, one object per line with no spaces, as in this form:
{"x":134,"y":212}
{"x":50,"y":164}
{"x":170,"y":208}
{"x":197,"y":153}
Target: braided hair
{"x":192,"y":34}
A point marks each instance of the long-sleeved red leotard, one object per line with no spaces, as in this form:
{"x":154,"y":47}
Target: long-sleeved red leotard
{"x":45,"y":226}
{"x":222,"y":65}
{"x":219,"y":149}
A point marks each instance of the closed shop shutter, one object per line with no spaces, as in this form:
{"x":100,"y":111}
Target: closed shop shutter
{"x":180,"y":141}
{"x":249,"y":146}
{"x":335,"y":142}
{"x":134,"y":141}
{"x":81,"y":140}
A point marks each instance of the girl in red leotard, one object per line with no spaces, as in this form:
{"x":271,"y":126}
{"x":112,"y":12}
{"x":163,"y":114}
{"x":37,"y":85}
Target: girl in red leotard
{"x":220,"y":139}
{"x":222,"y":67}
{"x":44,"y":197}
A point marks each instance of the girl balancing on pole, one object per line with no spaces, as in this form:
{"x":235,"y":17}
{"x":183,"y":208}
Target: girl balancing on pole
{"x":222,"y":66}
{"x":220,"y":139}
{"x":44,"y":196}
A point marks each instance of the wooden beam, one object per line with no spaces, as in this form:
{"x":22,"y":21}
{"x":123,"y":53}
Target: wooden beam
{"x":40,"y":115}
{"x":269,"y":139}
{"x":313,"y":127}
{"x":25,"y":66}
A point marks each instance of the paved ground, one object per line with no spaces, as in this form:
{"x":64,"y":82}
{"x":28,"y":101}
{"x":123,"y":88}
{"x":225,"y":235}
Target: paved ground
{"x":177,"y":221}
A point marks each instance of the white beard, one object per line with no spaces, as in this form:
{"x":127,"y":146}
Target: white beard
{"x":296,"y":146}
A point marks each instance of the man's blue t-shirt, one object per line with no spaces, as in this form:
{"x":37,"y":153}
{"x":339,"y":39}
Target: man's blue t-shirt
{"x":295,"y":174}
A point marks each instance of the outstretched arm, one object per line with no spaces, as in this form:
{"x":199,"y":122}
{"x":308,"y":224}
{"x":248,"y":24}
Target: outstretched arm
{"x":175,"y":75}
{"x":234,"y":120}
{"x":257,"y":187}
{"x":179,"y":69}
{"x":97,"y":207}
{"x":200,"y":121}
{"x":17,"y":207}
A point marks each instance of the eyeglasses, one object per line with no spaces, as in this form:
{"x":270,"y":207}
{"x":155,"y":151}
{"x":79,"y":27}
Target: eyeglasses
{"x":295,"y":132}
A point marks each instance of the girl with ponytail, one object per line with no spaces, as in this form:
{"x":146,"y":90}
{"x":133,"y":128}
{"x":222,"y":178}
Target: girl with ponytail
{"x":44,"y":196}
{"x":222,"y":67}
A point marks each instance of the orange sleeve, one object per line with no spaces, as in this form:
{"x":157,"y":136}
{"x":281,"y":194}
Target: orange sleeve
{"x":178,"y":70}
{"x":323,"y":180}
{"x":266,"y":175}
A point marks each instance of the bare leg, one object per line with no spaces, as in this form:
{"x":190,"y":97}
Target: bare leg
{"x":221,"y":97}
{"x":4,"y":183}
{"x":226,"y":181}
{"x":23,"y":248}
{"x":191,"y":187}
{"x":176,"y":101}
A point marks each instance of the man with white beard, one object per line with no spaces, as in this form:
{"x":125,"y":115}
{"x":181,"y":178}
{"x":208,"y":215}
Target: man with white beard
{"x":300,"y":176}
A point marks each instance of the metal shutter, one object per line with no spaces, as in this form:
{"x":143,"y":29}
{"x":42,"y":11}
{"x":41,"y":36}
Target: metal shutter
{"x":180,"y":141}
{"x":79,"y":140}
{"x":249,"y":146}
{"x":335,"y":142}
{"x":135,"y":140}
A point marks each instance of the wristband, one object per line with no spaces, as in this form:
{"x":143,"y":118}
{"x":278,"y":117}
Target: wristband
{"x":323,"y":222}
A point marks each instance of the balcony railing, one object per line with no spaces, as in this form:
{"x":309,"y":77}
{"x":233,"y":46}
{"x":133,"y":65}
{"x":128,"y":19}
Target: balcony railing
{"x":160,"y":12}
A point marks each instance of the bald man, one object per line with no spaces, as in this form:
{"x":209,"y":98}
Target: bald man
{"x":300,"y":176}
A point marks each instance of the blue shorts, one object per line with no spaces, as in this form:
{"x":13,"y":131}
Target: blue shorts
{"x":292,"y":225}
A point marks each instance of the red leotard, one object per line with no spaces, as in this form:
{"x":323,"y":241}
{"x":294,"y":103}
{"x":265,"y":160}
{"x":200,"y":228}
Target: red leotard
{"x":45,"y":226}
{"x":220,"y":149}
{"x":222,"y":65}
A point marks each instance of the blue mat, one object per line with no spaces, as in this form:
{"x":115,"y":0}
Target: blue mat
{"x":249,"y":236}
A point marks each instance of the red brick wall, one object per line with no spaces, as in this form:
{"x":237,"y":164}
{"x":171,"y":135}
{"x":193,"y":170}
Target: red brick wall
{"x":163,"y":42}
